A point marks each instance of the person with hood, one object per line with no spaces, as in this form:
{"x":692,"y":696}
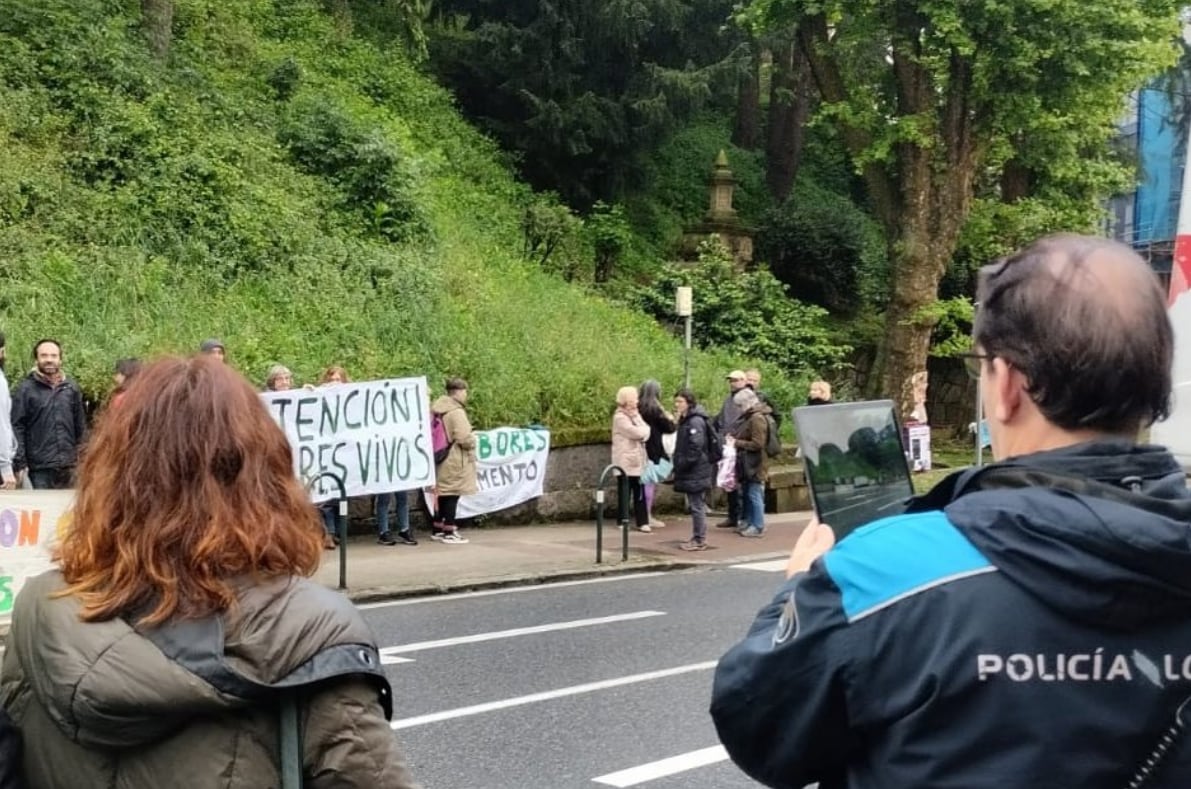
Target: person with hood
{"x":48,"y":421}
{"x":8,"y":477}
{"x":180,"y":618}
{"x":1025,"y":623}
{"x":752,"y":462}
{"x":456,"y":475}
{"x":695,"y":456}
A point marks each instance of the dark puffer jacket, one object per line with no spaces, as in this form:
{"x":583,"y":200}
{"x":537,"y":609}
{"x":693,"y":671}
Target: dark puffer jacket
{"x":1028,"y":624}
{"x":48,"y":423}
{"x":693,"y":470}
{"x":102,"y":706}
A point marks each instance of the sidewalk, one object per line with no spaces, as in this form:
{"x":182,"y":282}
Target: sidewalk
{"x":515,"y":555}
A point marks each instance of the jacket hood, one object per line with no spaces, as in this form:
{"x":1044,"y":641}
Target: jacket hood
{"x":696,"y":410}
{"x":107,"y":686}
{"x":445,"y":404}
{"x":1099,"y":531}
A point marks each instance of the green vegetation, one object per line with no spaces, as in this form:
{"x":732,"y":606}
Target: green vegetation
{"x":265,"y":175}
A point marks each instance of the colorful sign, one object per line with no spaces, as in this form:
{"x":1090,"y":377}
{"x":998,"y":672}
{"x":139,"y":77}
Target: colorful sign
{"x":374,"y":436}
{"x":30,"y":522}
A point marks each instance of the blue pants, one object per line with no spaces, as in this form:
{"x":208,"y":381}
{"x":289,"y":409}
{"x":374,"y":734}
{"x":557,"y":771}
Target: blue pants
{"x":382,"y":512}
{"x":754,"y":504}
{"x":330,"y":513}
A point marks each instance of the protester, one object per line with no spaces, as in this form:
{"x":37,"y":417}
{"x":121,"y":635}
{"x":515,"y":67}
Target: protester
{"x":629,"y":434}
{"x":213,"y":347}
{"x":1025,"y":623}
{"x":279,"y":379}
{"x":8,"y":477}
{"x":456,"y":475}
{"x":405,"y":534}
{"x":125,"y":371}
{"x":752,"y":461}
{"x":726,"y":422}
{"x":329,"y":510}
{"x":820,"y":394}
{"x":695,"y":456}
{"x":752,"y":379}
{"x":156,"y":654}
{"x":661,"y":423}
{"x":48,"y":421}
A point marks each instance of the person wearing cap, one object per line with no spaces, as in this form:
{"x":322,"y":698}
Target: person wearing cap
{"x":213,"y":347}
{"x":725,"y":423}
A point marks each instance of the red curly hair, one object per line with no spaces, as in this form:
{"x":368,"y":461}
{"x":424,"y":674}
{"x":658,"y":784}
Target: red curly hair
{"x":188,"y":485}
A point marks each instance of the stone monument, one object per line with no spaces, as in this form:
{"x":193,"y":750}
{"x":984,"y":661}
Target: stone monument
{"x":721,"y":219}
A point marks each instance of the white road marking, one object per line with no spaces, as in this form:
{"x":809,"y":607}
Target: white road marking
{"x":476,"y":638}
{"x":389,"y":660}
{"x":664,"y":767}
{"x":549,"y":695}
{"x":543,"y":587}
{"x":774,"y":566}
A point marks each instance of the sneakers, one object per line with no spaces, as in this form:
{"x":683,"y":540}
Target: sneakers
{"x":407,"y":537}
{"x":751,"y":531}
{"x":385,"y":538}
{"x":329,"y":542}
{"x":644,"y":528}
{"x":657,"y":524}
{"x":727,"y":525}
{"x":693,"y":545}
{"x":453,"y":538}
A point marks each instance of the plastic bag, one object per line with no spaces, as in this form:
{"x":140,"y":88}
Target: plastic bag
{"x":725,"y":475}
{"x":656,"y":473}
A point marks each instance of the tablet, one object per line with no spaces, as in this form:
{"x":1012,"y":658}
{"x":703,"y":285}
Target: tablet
{"x":855,"y":462}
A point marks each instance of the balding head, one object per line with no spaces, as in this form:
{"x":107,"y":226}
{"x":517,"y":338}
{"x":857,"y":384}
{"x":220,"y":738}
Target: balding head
{"x":1085,"y":322}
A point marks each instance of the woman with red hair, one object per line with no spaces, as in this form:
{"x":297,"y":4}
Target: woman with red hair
{"x":159,"y":651}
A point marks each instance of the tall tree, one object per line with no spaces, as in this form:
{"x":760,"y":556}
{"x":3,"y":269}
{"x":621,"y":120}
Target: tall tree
{"x":157,"y":19}
{"x":578,"y":89}
{"x":746,"y":130}
{"x":927,"y":94}
{"x":789,"y":109}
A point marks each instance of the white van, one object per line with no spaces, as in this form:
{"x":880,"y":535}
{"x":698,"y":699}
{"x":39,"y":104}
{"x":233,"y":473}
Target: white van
{"x":1175,"y":432}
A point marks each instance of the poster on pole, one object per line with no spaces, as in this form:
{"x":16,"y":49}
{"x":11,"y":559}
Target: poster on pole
{"x":510,"y":469}
{"x":374,"y":435}
{"x":30,"y":522}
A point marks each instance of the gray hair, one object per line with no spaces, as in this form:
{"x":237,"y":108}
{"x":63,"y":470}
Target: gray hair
{"x":275,"y":372}
{"x":745,"y":399}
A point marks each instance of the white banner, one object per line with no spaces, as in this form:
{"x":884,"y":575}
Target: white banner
{"x":30,"y":521}
{"x":374,"y":435}
{"x":510,"y":469}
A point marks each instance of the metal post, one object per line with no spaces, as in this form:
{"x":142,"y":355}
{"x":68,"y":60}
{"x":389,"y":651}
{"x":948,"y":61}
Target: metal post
{"x":686,"y":357}
{"x":340,"y":520}
{"x":621,"y":488}
{"x":622,"y":513}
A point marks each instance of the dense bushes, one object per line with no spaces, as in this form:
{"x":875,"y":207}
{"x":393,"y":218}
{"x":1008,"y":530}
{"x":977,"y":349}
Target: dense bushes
{"x":295,"y":190}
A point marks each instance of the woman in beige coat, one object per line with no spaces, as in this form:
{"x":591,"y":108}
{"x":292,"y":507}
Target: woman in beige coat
{"x":456,"y":475}
{"x":629,"y":433}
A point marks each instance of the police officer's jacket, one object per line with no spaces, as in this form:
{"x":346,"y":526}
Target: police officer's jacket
{"x":1027,"y":624}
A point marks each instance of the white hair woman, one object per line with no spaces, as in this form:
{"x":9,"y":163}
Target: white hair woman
{"x":629,"y":434}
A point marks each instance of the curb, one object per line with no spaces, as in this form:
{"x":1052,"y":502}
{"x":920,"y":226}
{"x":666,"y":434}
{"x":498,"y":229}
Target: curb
{"x":631,"y":567}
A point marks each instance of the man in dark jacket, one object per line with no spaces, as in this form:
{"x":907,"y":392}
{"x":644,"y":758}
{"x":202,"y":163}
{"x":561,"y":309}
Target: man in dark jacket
{"x":1023,"y":624}
{"x":48,"y":421}
{"x":726,"y":421}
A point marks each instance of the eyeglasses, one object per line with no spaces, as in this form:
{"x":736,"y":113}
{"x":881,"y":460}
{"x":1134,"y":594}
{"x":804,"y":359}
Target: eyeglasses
{"x":974,"y":361}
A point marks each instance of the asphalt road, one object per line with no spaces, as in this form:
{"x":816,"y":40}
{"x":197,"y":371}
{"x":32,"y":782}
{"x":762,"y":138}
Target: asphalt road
{"x":569,"y":685}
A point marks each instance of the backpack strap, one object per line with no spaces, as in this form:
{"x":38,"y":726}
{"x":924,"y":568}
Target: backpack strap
{"x":290,"y":740}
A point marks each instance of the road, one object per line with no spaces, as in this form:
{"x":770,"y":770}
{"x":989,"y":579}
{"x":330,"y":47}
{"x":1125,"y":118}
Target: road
{"x":583,"y":684}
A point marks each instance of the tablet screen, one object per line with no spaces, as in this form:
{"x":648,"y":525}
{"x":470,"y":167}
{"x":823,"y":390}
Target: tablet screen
{"x":855,"y":462}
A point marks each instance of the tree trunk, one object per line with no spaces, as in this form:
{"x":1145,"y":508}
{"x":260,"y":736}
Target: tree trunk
{"x":747,"y":131}
{"x":1016,"y":181}
{"x":157,"y":18}
{"x":789,"y":106}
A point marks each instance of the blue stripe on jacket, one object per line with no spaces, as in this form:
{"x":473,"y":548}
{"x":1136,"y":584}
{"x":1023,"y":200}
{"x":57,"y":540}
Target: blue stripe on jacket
{"x":895,"y":558}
